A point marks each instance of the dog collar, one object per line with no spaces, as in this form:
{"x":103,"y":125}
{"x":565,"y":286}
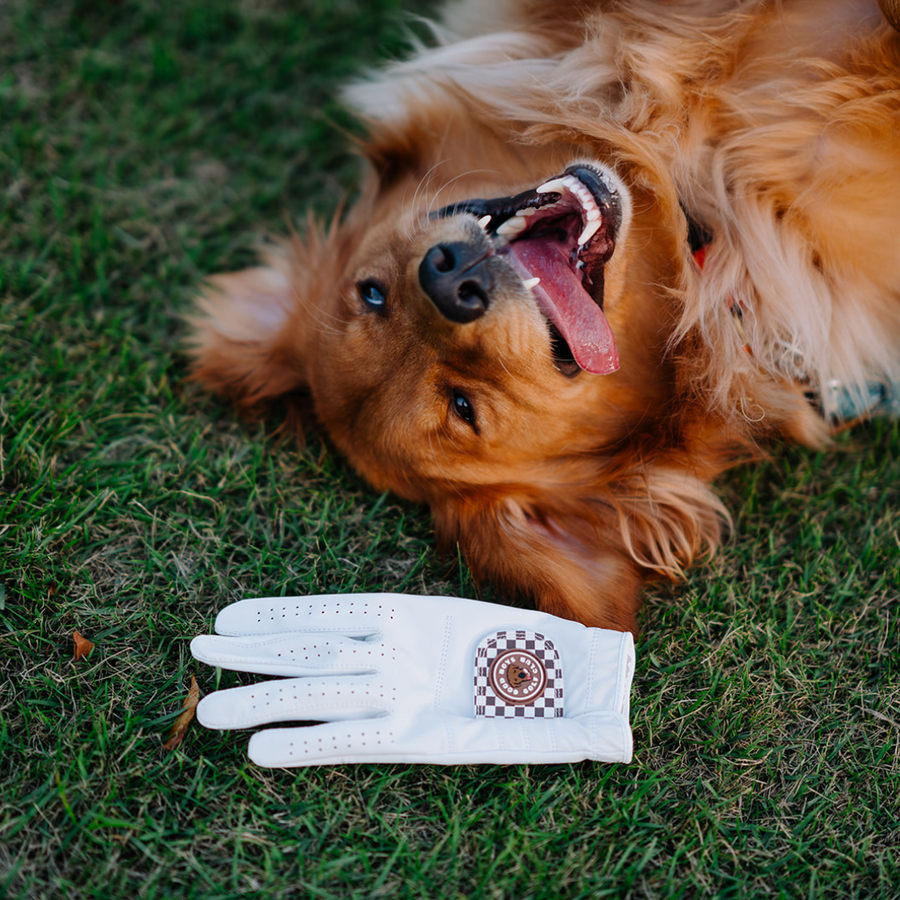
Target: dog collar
{"x":699,"y":239}
{"x":845,"y":405}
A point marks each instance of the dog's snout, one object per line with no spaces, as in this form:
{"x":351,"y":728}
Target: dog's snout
{"x":456,"y":278}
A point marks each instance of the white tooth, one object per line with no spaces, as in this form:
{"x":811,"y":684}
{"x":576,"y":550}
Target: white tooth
{"x":531,"y":283}
{"x":593,"y":214}
{"x":589,"y":231}
{"x":512,"y":226}
{"x":527,"y":211}
{"x":557,"y":184}
{"x":484,"y":221}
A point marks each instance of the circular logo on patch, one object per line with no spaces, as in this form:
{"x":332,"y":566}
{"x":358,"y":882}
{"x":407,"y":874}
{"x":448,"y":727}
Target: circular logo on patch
{"x":518,"y":677}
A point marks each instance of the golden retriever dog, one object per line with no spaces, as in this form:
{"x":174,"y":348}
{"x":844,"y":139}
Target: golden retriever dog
{"x":601,"y":252}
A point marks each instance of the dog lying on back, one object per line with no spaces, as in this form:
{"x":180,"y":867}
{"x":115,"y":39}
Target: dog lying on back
{"x":602,"y":252}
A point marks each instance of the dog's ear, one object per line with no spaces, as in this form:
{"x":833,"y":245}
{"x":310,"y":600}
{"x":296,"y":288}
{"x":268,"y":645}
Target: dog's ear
{"x":254,"y":333}
{"x":237,"y":338}
{"x":586,"y":557}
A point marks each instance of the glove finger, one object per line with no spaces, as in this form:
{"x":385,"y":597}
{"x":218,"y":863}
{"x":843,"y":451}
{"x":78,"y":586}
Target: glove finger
{"x":294,"y":699}
{"x":330,"y":744}
{"x":357,"y":615}
{"x":289,"y":654}
{"x":447,"y":740}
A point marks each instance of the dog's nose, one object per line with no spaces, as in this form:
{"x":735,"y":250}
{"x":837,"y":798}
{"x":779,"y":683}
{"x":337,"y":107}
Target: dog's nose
{"x":456,"y":278}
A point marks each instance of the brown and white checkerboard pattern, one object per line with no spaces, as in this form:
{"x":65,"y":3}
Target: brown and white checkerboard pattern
{"x":547,"y":704}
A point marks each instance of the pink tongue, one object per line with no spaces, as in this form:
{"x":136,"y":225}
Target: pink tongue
{"x":568,"y":305}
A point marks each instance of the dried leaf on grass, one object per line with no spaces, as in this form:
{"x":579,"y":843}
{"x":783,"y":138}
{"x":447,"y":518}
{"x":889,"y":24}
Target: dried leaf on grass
{"x":179,"y":729}
{"x":83,"y":646}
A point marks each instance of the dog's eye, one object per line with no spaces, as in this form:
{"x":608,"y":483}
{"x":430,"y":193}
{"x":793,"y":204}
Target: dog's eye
{"x":372,"y":292}
{"x":463,"y":408}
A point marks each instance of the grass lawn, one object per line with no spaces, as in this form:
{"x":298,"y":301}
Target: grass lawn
{"x":144,"y":145}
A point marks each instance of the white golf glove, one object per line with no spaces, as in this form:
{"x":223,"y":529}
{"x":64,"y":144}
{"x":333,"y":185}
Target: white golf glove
{"x":401,"y":678}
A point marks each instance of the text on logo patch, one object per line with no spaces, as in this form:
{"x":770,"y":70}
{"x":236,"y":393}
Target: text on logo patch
{"x":518,"y":674}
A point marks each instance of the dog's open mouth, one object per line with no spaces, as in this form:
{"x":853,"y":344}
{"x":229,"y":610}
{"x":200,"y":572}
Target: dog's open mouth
{"x":559,"y":236}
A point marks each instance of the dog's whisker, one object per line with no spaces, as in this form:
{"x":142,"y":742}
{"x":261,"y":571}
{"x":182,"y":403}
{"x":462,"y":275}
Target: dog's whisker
{"x":451,"y":182}
{"x":423,"y":184}
{"x":321,"y":317}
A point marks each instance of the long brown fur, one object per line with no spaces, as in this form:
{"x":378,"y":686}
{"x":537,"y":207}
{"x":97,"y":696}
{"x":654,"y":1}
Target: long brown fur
{"x":774,"y":124}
